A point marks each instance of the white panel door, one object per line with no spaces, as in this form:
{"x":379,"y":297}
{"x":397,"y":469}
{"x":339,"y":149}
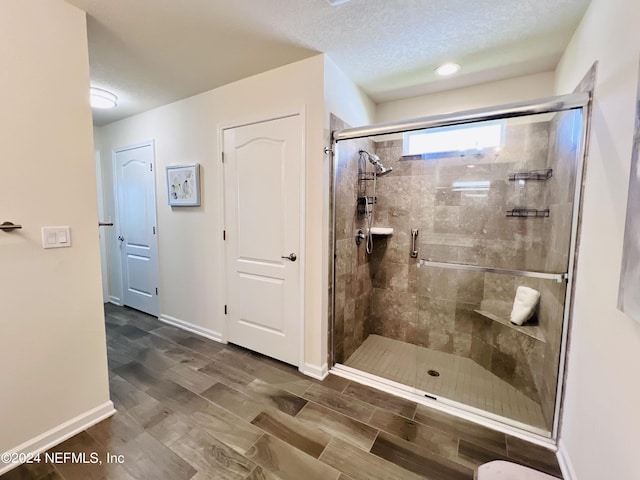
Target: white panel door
{"x":138,"y":242}
{"x":263,"y":205}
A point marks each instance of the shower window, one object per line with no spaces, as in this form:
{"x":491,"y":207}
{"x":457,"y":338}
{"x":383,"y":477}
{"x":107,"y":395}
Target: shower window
{"x":454,"y":140}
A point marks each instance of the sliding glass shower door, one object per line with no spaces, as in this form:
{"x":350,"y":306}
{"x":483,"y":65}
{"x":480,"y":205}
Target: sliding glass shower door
{"x":471,"y":228}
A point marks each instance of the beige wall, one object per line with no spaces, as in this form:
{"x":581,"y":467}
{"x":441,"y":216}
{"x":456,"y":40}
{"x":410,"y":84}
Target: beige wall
{"x":52,"y":345}
{"x":190,"y":239}
{"x":601,"y":419}
{"x":517,"y":89}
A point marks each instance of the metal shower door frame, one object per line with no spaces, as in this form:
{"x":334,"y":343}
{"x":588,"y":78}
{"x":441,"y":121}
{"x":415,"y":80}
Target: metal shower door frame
{"x":574,"y":101}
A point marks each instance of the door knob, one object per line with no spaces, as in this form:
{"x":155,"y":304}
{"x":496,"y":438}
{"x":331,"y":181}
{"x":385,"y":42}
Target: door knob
{"x":121,"y":238}
{"x":292,"y":257}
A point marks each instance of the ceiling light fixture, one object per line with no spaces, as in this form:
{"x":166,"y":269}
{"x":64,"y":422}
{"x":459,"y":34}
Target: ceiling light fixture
{"x":448,"y":69}
{"x":102,"y":99}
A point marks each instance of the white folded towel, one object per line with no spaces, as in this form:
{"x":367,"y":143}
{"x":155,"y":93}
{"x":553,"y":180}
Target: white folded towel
{"x":524,"y":305}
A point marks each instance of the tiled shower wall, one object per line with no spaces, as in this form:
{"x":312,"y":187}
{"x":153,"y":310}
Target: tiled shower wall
{"x":353,"y":286}
{"x":434,"y":307}
{"x":389,"y":294}
{"x":471,"y":227}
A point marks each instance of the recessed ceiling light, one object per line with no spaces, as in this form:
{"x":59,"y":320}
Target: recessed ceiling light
{"x":102,"y":99}
{"x":333,"y":3}
{"x":447,"y":69}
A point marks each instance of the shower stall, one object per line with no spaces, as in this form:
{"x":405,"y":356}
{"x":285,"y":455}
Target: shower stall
{"x":437,"y":224}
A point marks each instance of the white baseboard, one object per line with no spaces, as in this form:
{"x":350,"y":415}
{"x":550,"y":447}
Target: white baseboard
{"x":313,"y":371}
{"x":115,"y":300}
{"x":204,"y":332}
{"x":564,"y":460}
{"x":59,"y":434}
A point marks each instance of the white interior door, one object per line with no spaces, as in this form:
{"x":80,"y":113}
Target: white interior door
{"x":263,"y":205}
{"x":137,"y":223}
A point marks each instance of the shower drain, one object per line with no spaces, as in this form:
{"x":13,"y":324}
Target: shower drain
{"x":434,"y":373}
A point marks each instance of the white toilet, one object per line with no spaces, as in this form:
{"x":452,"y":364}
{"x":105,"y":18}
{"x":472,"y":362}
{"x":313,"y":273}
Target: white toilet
{"x":501,"y":470}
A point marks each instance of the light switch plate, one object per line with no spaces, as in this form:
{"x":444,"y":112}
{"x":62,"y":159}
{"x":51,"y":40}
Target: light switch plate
{"x":56,"y":237}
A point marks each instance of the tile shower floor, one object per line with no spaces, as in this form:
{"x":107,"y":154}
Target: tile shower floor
{"x":461,"y":379}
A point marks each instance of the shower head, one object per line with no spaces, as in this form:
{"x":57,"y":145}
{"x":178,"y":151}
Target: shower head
{"x":375,"y":161}
{"x":382,"y":170}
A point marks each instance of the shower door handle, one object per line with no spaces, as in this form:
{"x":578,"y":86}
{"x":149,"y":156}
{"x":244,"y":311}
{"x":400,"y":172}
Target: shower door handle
{"x":291,"y":256}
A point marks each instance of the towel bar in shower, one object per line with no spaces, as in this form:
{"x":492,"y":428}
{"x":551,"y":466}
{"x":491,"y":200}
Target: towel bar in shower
{"x":558,"y":277}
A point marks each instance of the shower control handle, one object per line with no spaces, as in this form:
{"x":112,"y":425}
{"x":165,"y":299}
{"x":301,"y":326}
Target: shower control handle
{"x":291,"y":256}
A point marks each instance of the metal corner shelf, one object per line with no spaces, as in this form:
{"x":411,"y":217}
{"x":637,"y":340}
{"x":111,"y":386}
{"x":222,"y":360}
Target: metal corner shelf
{"x":544,"y":174}
{"x":521,"y":212}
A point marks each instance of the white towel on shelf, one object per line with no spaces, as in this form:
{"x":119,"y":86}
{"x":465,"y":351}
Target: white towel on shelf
{"x":524,"y":305}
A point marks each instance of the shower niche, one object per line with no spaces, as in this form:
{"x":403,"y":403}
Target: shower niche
{"x":426,"y":309}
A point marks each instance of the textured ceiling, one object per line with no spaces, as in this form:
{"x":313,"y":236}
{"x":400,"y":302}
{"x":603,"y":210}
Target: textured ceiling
{"x":152,"y":52}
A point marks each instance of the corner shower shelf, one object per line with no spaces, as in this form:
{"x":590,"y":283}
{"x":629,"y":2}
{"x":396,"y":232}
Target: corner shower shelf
{"x":545,"y":174}
{"x":533,"y":331}
{"x":383,"y":231}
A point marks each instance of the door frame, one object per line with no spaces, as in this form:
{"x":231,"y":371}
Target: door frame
{"x":104,"y":255}
{"x":116,"y":202}
{"x":224,"y":295}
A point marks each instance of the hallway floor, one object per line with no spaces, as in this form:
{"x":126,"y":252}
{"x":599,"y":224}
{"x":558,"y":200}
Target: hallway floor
{"x":461,"y":379}
{"x":191,"y":408}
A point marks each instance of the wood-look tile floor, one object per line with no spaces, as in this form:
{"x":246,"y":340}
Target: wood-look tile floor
{"x":461,"y":379}
{"x":190,"y":408}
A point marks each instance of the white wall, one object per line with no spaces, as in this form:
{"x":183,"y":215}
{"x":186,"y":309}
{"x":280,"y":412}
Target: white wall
{"x":52,"y":340}
{"x":517,"y":89}
{"x":190,"y":239}
{"x":601,"y":421}
{"x":344,"y":99}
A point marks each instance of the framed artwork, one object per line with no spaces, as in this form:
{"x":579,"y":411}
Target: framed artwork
{"x":183,"y":185}
{"x":629,"y":289}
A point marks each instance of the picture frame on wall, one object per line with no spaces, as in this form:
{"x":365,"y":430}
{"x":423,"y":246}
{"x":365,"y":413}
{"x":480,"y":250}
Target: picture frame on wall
{"x":628,"y":290}
{"x":183,"y":185}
